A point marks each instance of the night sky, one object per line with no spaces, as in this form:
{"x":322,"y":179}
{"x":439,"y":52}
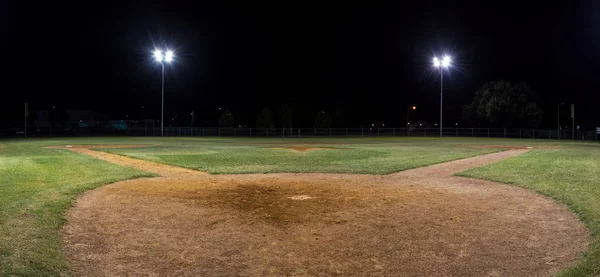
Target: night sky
{"x":369,"y":60}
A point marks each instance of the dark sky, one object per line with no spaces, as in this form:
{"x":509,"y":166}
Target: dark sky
{"x":370,"y":60}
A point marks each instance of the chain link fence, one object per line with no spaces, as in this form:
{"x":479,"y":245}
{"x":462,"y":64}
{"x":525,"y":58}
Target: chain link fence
{"x":152,"y":128}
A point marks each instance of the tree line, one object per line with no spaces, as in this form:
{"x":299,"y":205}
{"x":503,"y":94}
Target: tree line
{"x":266,"y":119}
{"x":496,"y":104}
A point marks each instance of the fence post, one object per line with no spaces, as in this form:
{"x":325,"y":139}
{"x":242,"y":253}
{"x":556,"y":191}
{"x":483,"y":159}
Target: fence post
{"x":298,"y":132}
{"x":425,"y":131}
{"x":315,"y":132}
{"x":456,"y":132}
{"x":267,"y":131}
{"x":533,"y":137}
{"x":488,"y":132}
{"x":377,"y":131}
{"x":346,"y":131}
{"x":219,"y":131}
{"x":179,"y":131}
{"x":520,"y":136}
{"x":329,"y":131}
{"x":393,"y":132}
{"x":362,"y":132}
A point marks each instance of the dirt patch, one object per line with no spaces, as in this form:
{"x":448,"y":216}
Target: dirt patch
{"x":421,"y":222}
{"x":92,"y":146}
{"x":516,"y":146}
{"x":303,"y":149}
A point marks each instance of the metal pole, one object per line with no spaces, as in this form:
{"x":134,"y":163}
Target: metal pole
{"x":558,"y":121}
{"x":162,"y":108}
{"x":441,"y":97}
{"x":26,"y":111}
{"x":573,"y":124}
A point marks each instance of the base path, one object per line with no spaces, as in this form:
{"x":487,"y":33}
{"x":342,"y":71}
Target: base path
{"x":419,"y":222}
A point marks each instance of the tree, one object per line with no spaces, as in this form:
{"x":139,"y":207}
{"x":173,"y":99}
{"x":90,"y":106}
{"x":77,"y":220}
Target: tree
{"x":285,"y":116}
{"x":504,"y":104}
{"x":322,"y":120}
{"x":226,"y":119}
{"x":264,"y":119}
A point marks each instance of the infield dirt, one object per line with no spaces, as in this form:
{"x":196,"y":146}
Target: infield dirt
{"x":419,"y":222}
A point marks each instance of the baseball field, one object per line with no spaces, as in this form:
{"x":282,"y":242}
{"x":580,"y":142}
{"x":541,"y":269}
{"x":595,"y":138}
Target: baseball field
{"x":299,"y":207}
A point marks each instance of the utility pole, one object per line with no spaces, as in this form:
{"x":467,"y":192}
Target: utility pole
{"x":573,"y":124}
{"x":26,"y":114}
{"x":558,"y":121}
{"x":192,"y":130}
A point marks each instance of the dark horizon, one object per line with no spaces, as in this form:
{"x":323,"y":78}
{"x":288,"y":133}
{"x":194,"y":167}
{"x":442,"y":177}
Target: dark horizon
{"x":369,"y":61}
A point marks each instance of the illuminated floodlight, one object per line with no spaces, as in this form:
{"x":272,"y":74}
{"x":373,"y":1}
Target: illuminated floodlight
{"x":436,"y":62}
{"x":446,"y":61}
{"x":158,"y":55}
{"x":169,"y":56}
{"x":163,"y":56}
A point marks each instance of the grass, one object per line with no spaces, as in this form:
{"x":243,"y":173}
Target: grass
{"x":570,"y":175}
{"x":36,"y":186}
{"x":256,"y":156}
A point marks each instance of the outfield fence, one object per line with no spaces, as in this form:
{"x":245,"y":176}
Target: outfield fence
{"x":152,"y":128}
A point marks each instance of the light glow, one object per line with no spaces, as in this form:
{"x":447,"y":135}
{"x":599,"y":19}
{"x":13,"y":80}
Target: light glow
{"x":158,"y":55}
{"x":436,"y":62}
{"x":169,"y":56}
{"x":446,"y":61}
{"x":163,"y":56}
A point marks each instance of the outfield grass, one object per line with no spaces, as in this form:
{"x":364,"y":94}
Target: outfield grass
{"x":570,"y":175}
{"x":36,"y":186}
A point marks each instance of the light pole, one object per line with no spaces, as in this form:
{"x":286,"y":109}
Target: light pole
{"x":558,"y":121}
{"x":162,"y":57}
{"x":444,"y":63}
{"x":408,"y":114}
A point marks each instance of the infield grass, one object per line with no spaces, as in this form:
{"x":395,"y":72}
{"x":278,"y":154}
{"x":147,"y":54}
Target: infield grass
{"x":264,"y":156}
{"x":570,"y":175}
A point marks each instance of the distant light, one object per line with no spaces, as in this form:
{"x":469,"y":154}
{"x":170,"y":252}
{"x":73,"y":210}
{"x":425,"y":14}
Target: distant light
{"x":414,"y":107}
{"x":421,"y":124}
{"x":383,"y":125}
{"x":372,"y":124}
{"x":408,"y":123}
{"x":456,"y":124}
{"x":158,"y":55}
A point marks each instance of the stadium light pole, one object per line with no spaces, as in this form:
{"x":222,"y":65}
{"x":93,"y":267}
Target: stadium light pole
{"x":441,"y":64}
{"x":163,"y":57}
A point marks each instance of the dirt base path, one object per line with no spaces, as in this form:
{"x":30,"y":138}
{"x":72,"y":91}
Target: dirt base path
{"x":420,"y":222}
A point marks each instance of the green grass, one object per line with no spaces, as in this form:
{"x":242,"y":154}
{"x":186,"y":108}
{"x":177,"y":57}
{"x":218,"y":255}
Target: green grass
{"x":36,"y":186}
{"x":244,"y":156}
{"x":570,"y":175}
